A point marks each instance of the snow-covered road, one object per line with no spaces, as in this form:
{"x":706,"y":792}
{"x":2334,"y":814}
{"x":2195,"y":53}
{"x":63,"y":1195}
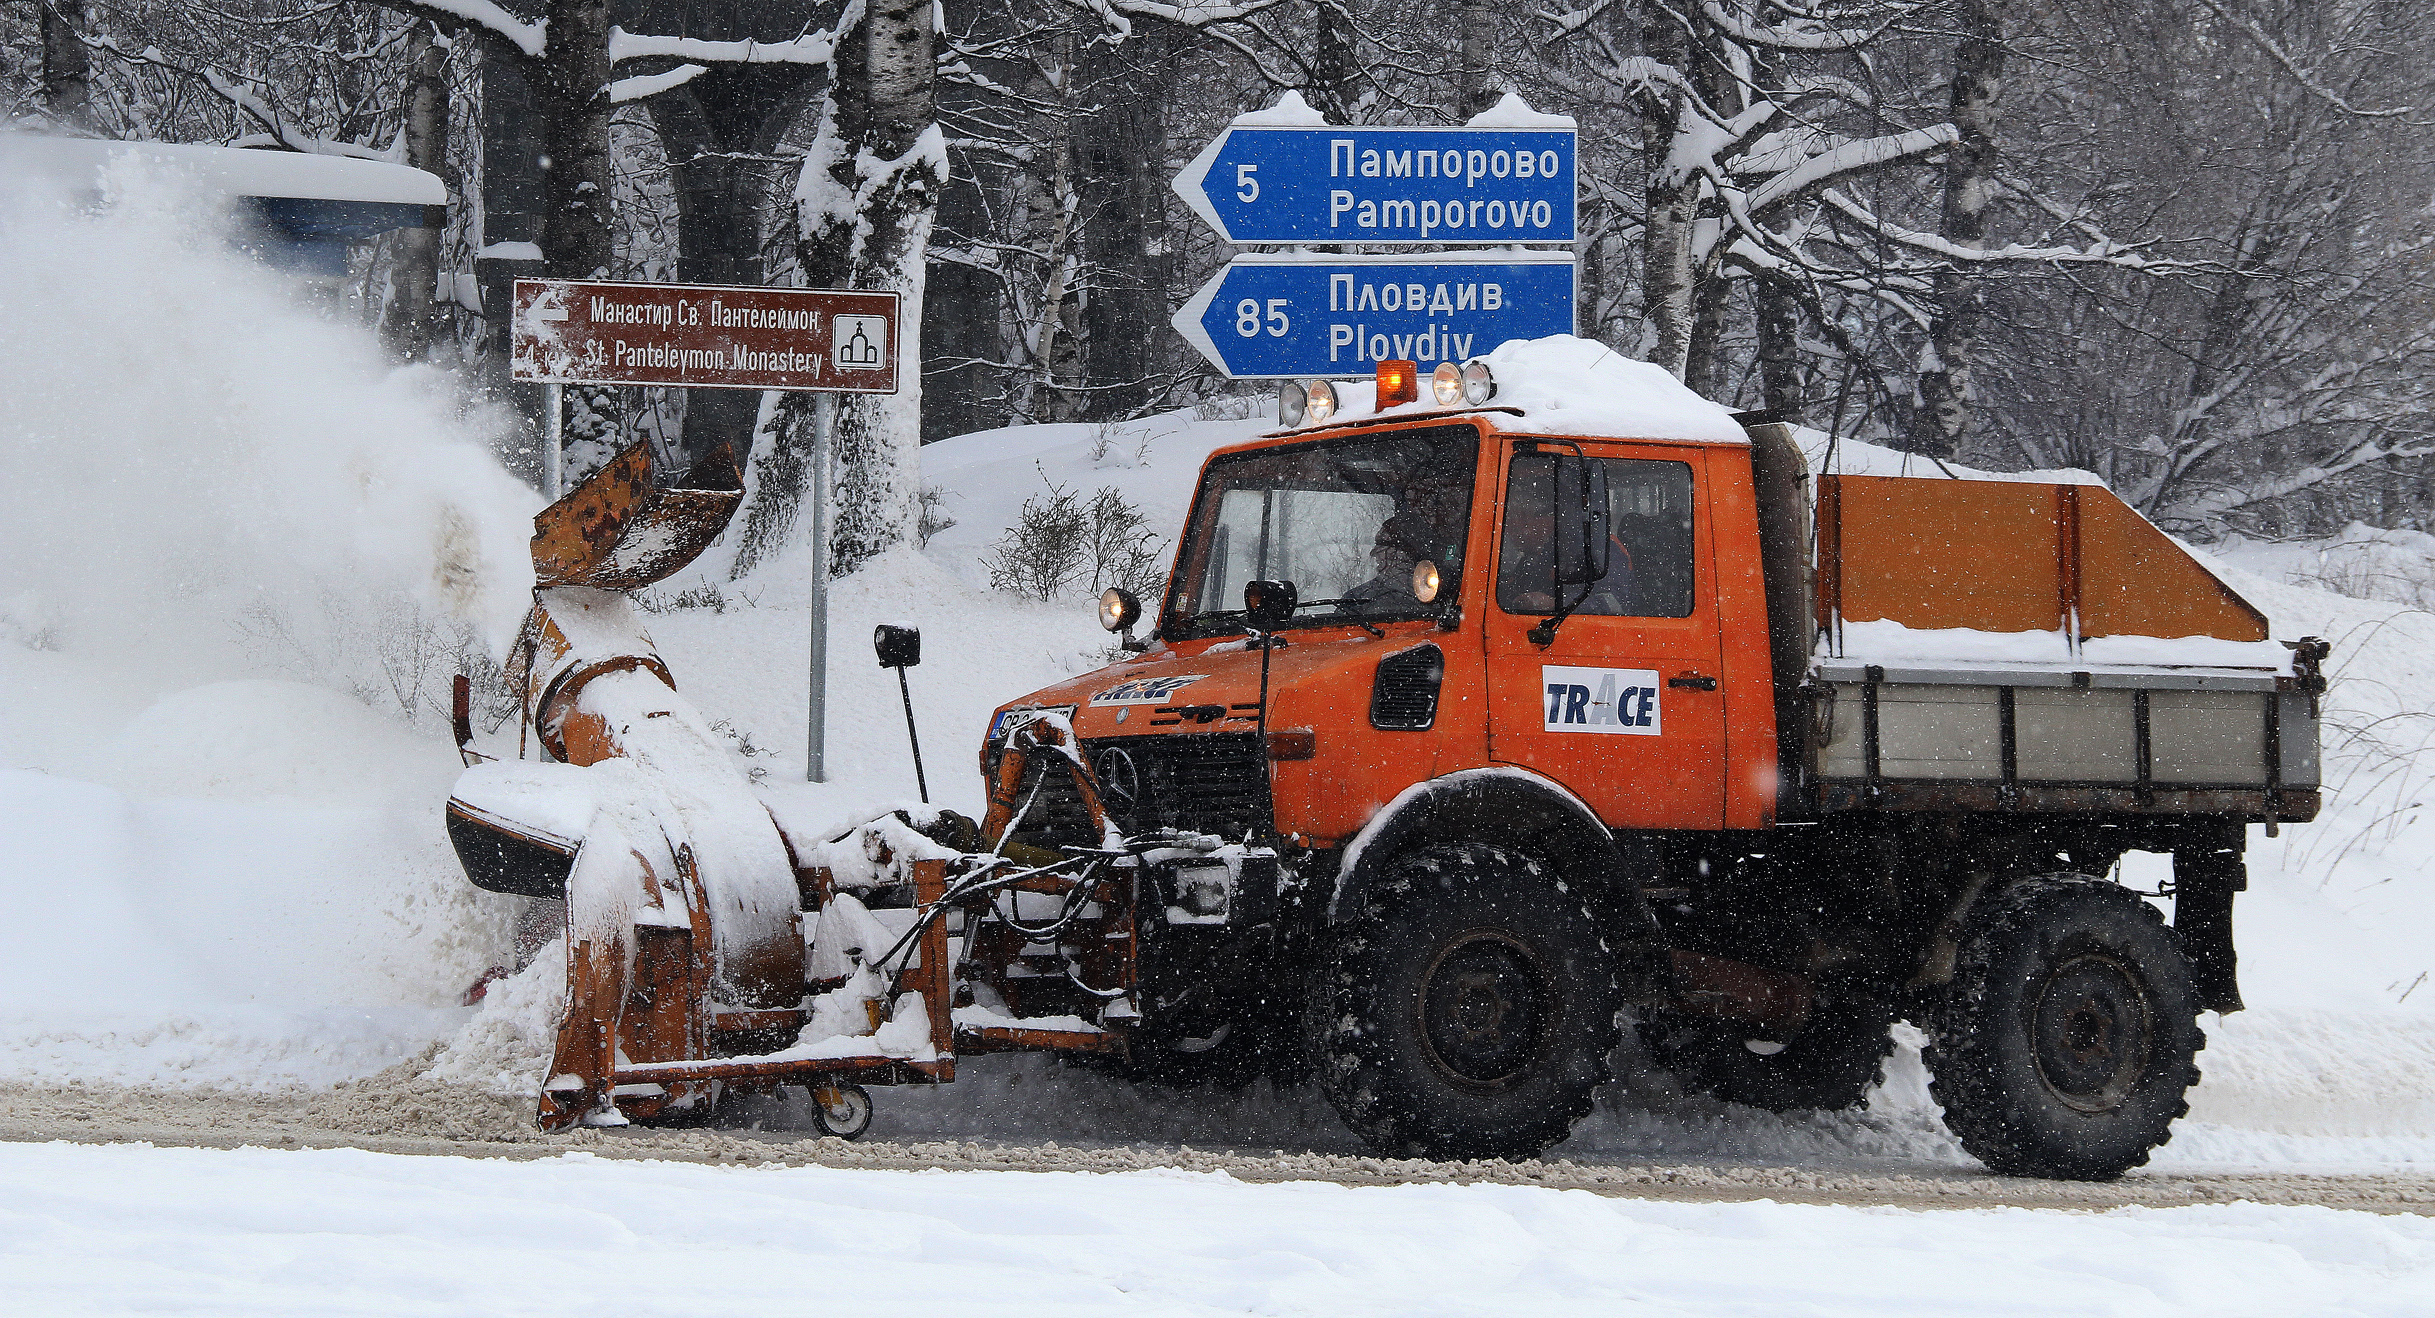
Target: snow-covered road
{"x":129,"y":1228}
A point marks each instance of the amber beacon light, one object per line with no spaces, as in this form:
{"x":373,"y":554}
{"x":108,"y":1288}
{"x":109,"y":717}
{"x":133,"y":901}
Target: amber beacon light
{"x":1398,"y":382}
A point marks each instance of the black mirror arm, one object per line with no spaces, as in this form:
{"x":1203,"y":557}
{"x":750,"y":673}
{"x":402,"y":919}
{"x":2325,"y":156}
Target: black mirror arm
{"x":1545,"y":632}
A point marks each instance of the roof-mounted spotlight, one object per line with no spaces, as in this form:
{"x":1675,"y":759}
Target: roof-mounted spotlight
{"x":1446,"y":384}
{"x":1319,"y":401}
{"x":1479,"y":384}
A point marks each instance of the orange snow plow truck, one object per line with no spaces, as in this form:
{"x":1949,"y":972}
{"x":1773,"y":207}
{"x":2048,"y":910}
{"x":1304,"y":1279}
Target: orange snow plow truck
{"x":1537,"y":702}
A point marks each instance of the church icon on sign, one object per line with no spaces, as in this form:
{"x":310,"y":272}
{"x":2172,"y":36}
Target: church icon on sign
{"x":861,"y":342}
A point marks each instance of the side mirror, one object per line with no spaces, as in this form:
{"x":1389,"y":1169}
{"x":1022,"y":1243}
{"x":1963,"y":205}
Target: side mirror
{"x":1268,"y":605}
{"x":1582,"y":541}
{"x":898,"y":647}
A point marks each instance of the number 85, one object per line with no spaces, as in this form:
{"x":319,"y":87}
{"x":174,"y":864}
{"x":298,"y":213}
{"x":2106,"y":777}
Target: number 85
{"x":1247,"y":318}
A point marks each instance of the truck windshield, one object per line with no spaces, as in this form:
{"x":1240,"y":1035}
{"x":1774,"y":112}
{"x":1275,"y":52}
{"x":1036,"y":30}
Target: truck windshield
{"x":1345,"y":520}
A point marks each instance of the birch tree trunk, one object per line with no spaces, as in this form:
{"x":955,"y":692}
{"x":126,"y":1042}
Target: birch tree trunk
{"x":1779,"y":326}
{"x":1711,"y":292}
{"x":1942,"y":420}
{"x":1120,"y":164}
{"x":865,"y":205}
{"x":1475,"y":87}
{"x":573,"y":92}
{"x":408,"y":322}
{"x":1332,"y":69}
{"x":1670,"y":201}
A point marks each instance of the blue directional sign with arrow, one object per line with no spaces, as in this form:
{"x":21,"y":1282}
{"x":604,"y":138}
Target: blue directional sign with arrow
{"x":1266,"y":317}
{"x":1260,"y":184}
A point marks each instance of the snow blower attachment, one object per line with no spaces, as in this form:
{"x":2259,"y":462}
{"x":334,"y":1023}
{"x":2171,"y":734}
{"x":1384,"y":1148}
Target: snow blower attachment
{"x":703,"y":948}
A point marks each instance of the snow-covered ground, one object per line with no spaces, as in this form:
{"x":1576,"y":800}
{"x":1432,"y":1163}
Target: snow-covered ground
{"x":242,"y":559}
{"x":124,"y":1229}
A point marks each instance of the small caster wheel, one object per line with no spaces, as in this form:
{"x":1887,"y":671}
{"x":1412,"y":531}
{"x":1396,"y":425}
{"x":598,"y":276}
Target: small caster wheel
{"x":841,"y":1110}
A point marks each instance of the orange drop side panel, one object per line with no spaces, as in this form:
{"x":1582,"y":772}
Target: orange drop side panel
{"x":2137,"y":582}
{"x":1947,"y":553}
{"x":2012,"y":556}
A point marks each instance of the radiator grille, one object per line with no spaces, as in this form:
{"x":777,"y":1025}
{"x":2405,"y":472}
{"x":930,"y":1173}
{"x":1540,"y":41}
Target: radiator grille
{"x":1209,"y":782}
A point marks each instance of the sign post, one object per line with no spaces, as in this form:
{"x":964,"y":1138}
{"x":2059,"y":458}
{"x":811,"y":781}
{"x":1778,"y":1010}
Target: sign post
{"x":824,"y":428}
{"x":708,"y":336}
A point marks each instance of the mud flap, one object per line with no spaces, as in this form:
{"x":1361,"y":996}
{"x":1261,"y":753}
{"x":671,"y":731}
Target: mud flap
{"x":2205,"y":876}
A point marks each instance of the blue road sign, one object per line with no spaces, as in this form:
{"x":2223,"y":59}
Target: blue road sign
{"x":1266,"y":317}
{"x":1258,"y":184}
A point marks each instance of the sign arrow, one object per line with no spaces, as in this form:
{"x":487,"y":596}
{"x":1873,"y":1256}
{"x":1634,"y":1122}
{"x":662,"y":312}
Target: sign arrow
{"x":1266,"y":317}
{"x":1264,"y":184}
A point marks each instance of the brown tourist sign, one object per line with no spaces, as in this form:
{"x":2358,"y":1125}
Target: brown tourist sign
{"x":704,"y":336}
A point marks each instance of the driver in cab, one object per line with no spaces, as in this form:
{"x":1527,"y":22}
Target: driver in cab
{"x":1401,"y":546}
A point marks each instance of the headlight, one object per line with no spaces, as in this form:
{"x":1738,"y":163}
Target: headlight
{"x":1425,"y":581}
{"x":1446,"y":384}
{"x":1320,"y":402}
{"x":1478,"y":385}
{"x":1118,"y":609}
{"x":1290,"y":397}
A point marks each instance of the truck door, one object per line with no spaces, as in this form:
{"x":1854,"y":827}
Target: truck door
{"x":1622,"y":707}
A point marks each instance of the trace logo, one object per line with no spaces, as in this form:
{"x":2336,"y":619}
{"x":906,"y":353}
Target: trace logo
{"x":860,"y":342}
{"x":1602,"y":700}
{"x":1146,"y":690}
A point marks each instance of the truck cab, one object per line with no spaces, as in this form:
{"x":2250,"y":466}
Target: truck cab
{"x":1535,"y":713}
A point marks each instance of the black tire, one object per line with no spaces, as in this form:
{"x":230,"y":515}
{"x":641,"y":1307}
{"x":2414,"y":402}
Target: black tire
{"x":1829,"y":1065}
{"x":2066,"y":1042}
{"x":1466,"y":1010}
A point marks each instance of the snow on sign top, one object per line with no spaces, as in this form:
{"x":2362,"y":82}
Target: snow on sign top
{"x":82,"y":163}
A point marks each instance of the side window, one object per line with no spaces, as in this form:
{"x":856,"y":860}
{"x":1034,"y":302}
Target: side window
{"x":1651,"y":568}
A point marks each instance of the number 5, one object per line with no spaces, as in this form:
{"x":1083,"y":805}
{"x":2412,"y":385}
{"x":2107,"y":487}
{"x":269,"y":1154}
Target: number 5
{"x":1277,"y":323}
{"x":1246,"y":188}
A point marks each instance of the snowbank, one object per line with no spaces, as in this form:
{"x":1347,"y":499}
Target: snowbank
{"x":131,"y":1228}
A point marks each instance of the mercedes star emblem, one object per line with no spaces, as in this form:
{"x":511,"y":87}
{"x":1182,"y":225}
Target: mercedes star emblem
{"x":1119,"y":781}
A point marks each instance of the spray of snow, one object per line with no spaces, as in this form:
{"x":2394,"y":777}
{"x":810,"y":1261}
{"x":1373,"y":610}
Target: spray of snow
{"x":243,"y":555}
{"x":188,"y":445}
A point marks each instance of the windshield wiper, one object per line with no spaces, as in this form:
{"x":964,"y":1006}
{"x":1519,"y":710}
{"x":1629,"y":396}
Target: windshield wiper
{"x":1362,"y":623}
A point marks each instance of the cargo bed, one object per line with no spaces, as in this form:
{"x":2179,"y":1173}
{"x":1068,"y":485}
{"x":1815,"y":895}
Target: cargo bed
{"x":2020,"y":646}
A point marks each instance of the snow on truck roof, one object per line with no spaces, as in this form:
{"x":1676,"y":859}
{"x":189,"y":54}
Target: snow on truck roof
{"x":79,"y":162}
{"x":1566,"y":385}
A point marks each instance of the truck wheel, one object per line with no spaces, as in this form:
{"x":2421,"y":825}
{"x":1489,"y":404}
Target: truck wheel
{"x":1829,"y":1065}
{"x":1467,"y":1009}
{"x":2065,"y":1043}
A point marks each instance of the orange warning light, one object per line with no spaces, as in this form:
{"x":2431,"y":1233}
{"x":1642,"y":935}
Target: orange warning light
{"x":1398,"y":382}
